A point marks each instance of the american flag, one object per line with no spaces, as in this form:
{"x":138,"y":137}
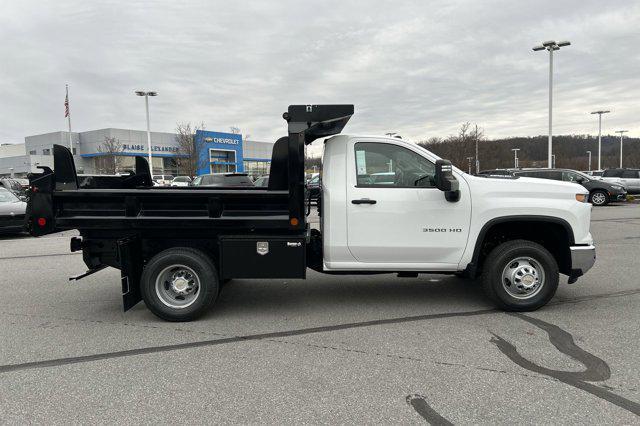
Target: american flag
{"x":66,"y":105}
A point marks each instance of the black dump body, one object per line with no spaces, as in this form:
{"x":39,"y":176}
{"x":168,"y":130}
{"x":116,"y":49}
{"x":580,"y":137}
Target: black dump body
{"x":124,"y":221}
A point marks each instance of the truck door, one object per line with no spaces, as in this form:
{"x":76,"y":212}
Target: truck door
{"x":395,"y":214}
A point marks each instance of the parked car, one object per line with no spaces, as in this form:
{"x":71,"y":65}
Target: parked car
{"x":600,"y":192}
{"x":163,"y":179}
{"x":629,"y":178}
{"x":181,"y":181}
{"x":23,"y":182}
{"x":313,"y":186}
{"x":262,"y":182}
{"x":223,"y":180}
{"x":12,"y":212}
{"x":15,"y":187}
{"x":497,"y":172}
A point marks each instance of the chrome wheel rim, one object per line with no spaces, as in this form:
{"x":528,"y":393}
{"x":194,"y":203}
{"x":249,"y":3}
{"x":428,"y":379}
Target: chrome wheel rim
{"x":523,"y":277}
{"x":177,"y":286}
{"x":598,"y":198}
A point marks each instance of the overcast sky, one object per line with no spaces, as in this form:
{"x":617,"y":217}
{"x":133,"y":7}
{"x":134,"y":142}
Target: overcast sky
{"x":419,"y":68}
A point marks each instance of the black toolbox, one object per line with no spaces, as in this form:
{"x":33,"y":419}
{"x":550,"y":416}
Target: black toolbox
{"x":263,"y":257}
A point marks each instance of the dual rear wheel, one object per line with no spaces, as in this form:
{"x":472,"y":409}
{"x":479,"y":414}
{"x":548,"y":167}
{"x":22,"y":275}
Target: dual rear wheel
{"x":179,"y":284}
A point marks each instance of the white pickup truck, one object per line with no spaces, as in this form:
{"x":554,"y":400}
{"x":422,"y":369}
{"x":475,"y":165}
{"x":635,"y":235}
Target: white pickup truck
{"x":175,"y":246}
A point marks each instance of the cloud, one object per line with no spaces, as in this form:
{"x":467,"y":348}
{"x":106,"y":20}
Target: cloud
{"x":417,"y":68}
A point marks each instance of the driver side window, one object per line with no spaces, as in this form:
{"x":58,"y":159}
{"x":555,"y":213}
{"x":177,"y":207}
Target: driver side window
{"x":570,"y":177}
{"x":384,"y":165}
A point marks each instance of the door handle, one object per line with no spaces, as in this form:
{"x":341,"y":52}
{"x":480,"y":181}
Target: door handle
{"x":363,"y":201}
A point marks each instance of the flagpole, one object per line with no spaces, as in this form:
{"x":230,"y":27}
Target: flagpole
{"x":69,"y":119}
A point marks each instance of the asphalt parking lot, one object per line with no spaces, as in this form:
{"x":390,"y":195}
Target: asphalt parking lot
{"x":331,"y":349}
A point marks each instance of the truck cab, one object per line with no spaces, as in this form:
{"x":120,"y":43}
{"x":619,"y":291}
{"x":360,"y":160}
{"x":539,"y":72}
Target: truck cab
{"x":416,"y":225}
{"x":403,"y":222}
{"x":386,"y":205}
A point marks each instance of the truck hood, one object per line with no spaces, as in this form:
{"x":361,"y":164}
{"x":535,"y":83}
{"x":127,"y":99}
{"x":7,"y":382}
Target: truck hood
{"x":531,"y":187}
{"x":493,"y":198}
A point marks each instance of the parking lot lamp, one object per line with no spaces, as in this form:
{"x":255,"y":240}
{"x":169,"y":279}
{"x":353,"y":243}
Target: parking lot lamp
{"x":589,"y":152}
{"x":600,"y":135}
{"x":621,"y":133}
{"x":515,"y":157}
{"x":146,"y":104}
{"x":551,"y":45}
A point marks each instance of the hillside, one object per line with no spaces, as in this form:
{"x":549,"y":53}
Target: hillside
{"x":570,"y":151}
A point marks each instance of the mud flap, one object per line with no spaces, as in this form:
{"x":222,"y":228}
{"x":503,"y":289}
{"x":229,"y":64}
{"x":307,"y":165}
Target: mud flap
{"x":129,"y":250}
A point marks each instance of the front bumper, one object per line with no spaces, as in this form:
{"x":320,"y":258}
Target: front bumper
{"x":618,"y":195}
{"x":582,"y":259}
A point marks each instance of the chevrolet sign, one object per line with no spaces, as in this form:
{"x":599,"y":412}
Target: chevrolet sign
{"x":228,"y":141}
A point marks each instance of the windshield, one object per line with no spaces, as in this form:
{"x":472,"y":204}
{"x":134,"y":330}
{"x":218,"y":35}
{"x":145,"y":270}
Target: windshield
{"x":433,"y":157}
{"x":182,"y":179}
{"x":7,"y":197}
{"x":583,"y":175}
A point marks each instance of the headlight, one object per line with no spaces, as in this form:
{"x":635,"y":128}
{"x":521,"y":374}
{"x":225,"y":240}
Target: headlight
{"x":582,"y":198}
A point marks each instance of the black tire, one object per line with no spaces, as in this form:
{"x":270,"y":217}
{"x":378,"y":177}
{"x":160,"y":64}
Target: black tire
{"x":504,"y":256}
{"x":600,"y":195}
{"x":203,"y":268}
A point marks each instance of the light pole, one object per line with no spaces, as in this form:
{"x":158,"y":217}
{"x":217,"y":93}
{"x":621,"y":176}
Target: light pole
{"x":477,"y":159}
{"x":600,"y":135}
{"x":551,"y":45}
{"x":146,"y":105}
{"x":621,"y":133}
{"x":589,"y":152}
{"x":469,"y":160}
{"x":515,"y":157}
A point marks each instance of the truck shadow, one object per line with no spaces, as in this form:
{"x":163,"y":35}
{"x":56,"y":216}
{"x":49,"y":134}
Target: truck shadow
{"x":13,"y":236}
{"x":337,"y":294}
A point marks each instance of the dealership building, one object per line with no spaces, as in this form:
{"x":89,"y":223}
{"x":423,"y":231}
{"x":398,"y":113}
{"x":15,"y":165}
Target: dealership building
{"x":217,"y":152}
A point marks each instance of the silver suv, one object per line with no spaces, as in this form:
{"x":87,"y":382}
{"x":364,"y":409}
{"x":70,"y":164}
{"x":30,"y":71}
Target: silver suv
{"x":629,"y":178}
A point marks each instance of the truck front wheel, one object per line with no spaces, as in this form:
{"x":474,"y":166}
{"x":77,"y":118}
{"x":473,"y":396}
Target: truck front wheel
{"x":179,"y":284}
{"x":520,"y":275}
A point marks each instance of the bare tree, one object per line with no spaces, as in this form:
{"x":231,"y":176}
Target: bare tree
{"x":463,"y":133}
{"x":109,"y":163}
{"x":189,"y":160}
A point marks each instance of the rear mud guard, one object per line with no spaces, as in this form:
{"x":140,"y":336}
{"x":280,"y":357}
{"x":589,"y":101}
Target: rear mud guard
{"x":130,"y":270}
